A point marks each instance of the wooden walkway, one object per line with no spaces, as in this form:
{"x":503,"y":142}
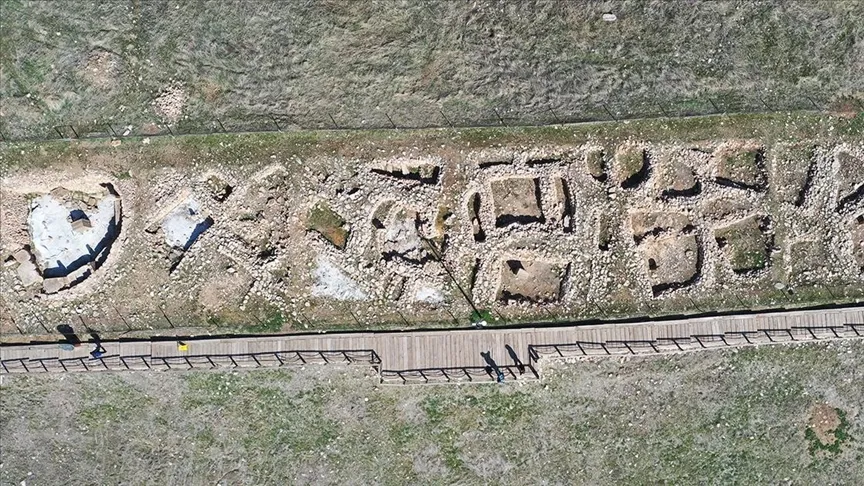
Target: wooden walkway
{"x":448,"y":355}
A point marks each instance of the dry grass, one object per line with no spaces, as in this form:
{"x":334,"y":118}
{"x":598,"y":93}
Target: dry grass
{"x":354,"y":64}
{"x":713,"y":417}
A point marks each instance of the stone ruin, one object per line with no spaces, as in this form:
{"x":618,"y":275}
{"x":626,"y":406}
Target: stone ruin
{"x":570,"y":227}
{"x":180,"y":224}
{"x":856,"y":227}
{"x":71,"y":235}
{"x":850,"y":177}
{"x":516,"y":200}
{"x":740,"y":164}
{"x":531,"y":280}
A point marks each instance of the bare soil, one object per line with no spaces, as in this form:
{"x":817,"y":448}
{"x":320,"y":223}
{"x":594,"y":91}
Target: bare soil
{"x":824,"y":421}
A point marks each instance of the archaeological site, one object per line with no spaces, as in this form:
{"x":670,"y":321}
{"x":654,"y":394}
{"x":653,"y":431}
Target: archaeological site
{"x":413,"y":237}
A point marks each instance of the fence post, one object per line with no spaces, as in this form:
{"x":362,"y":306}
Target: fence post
{"x":609,"y":112}
{"x":445,"y":117}
{"x":166,"y":317}
{"x":501,"y":120}
{"x":390,"y":119}
{"x":121,"y":316}
{"x":355,"y":317}
{"x":43,"y":325}
{"x":333,"y":120}
{"x":716,"y":110}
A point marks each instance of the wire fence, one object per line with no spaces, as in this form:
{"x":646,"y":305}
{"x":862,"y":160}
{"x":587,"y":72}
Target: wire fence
{"x":440,"y":116}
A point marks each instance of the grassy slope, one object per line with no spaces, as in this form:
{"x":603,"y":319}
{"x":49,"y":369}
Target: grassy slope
{"x":246,"y":149}
{"x":719,"y":417}
{"x":358,"y":62}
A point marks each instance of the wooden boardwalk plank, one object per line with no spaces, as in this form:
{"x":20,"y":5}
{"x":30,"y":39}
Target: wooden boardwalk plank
{"x":429,"y":349}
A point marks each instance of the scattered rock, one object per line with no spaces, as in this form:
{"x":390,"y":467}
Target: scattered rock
{"x":792,"y":171}
{"x":629,"y":165}
{"x":102,"y":69}
{"x":643,"y":223}
{"x":170,"y":103}
{"x":825,"y":425}
{"x":850,"y":177}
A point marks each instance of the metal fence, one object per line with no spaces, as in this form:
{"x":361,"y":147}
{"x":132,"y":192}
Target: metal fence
{"x":444,"y":374}
{"x":272,"y":359}
{"x":693,"y":342}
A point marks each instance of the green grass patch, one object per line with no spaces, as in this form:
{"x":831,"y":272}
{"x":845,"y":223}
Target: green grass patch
{"x":481,"y":315}
{"x":839,"y":436}
{"x":328,"y":224}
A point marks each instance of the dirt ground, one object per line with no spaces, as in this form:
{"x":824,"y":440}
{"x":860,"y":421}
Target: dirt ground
{"x":327,"y":230}
{"x":200,"y":66}
{"x":712,"y":417}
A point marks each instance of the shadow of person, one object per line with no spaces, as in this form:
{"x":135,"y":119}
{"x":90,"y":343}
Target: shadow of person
{"x":491,"y":364}
{"x":515,"y":357}
{"x":69,"y":334}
